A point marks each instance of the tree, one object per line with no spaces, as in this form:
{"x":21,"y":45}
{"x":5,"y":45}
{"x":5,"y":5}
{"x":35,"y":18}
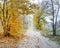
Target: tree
{"x":39,"y":19}
{"x":54,"y":21}
{"x":11,"y":23}
{"x":12,"y":15}
{"x":52,"y":9}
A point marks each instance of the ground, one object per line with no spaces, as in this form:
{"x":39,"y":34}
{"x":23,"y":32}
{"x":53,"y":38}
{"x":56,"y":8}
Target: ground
{"x":32,"y":39}
{"x":36,"y":40}
{"x":10,"y":42}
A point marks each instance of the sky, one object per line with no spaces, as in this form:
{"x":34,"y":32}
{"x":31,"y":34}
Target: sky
{"x":1,"y":1}
{"x":36,"y":1}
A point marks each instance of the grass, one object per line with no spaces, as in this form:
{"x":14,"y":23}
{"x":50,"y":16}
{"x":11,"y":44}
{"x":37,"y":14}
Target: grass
{"x":48,"y":33}
{"x":54,"y":38}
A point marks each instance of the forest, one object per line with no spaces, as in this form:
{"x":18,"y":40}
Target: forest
{"x":29,"y":24}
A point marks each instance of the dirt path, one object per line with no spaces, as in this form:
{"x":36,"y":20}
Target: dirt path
{"x":36,"y":40}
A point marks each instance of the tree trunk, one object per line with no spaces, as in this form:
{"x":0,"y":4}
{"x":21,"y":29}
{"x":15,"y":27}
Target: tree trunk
{"x":6,"y":27}
{"x":54,"y":30}
{"x":57,"y":17}
{"x":38,"y":22}
{"x":54,"y":26}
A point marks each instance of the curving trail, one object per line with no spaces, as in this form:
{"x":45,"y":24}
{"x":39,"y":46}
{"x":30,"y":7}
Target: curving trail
{"x":36,"y":40}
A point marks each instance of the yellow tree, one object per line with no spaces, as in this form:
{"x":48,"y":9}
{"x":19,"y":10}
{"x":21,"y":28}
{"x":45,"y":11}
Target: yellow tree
{"x":12,"y":18}
{"x":38,"y":18}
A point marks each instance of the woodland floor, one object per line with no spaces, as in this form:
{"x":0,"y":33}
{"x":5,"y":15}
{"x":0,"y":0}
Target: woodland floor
{"x":32,"y":39}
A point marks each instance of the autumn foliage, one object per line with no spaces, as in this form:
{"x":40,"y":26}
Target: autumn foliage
{"x":12,"y":15}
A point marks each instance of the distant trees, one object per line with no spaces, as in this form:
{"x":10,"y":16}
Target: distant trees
{"x":52,"y":9}
{"x":39,"y":19}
